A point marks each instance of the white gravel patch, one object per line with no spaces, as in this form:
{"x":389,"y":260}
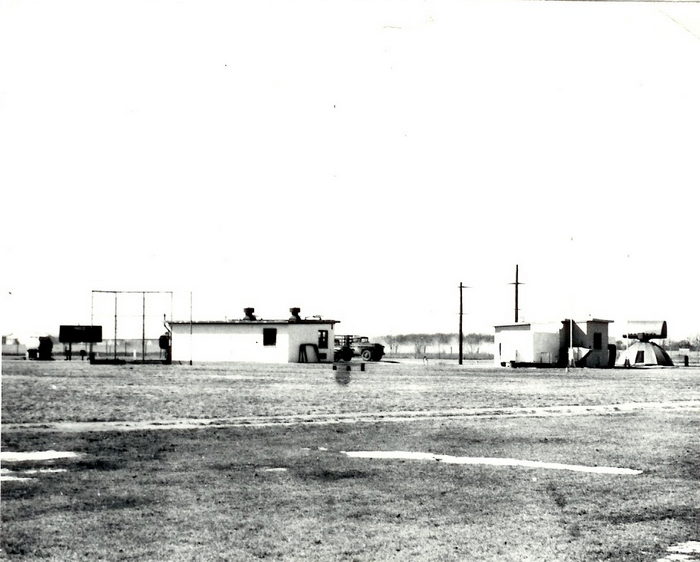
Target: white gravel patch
{"x":7,"y":474}
{"x":688,"y":551}
{"x":491,"y":461}
{"x":4,"y":478}
{"x":8,"y":456}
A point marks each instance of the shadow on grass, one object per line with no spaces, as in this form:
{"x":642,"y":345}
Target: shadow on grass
{"x":558,"y":497}
{"x":66,"y":504}
{"x":115,"y":502}
{"x":70,"y":465}
{"x":687,"y":513}
{"x":20,"y":544}
{"x":326,"y":475}
{"x":20,"y":491}
{"x":96,"y":464}
{"x":234,"y":466}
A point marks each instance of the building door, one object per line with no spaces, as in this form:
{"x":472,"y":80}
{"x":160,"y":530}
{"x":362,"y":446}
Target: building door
{"x":308,"y":353}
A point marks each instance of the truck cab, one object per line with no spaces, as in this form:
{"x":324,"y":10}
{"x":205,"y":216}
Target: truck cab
{"x":349,"y":346}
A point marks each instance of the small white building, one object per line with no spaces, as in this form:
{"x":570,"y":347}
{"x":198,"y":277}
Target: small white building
{"x":553,"y":344}
{"x":295,"y":340}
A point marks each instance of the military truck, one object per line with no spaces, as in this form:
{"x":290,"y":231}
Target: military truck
{"x":347,"y":347}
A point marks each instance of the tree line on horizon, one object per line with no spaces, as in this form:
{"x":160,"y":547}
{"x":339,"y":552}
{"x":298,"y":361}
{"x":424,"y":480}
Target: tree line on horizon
{"x":420,"y":342}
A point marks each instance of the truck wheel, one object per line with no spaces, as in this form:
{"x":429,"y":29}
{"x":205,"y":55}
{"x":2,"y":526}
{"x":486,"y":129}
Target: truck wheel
{"x":367,"y":354}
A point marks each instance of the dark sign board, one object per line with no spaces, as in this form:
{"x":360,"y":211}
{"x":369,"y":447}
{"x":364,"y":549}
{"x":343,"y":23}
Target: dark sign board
{"x":80,"y":334}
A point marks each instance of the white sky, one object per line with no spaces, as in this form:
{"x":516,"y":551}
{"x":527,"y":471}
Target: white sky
{"x":357,"y":159}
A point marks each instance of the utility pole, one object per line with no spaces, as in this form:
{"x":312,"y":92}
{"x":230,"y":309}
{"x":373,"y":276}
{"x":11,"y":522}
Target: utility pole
{"x":190,"y":327}
{"x":92,"y":315}
{"x":143,"y":327}
{"x":570,"y":361}
{"x":517,"y":284}
{"x":461,"y":314}
{"x":115,"y":326}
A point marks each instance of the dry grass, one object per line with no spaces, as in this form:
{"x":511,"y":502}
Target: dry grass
{"x":205,"y":494}
{"x":76,"y":391}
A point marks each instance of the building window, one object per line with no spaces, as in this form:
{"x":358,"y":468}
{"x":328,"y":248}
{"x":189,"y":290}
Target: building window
{"x":323,"y":339}
{"x":269,"y":336}
{"x":597,"y":340}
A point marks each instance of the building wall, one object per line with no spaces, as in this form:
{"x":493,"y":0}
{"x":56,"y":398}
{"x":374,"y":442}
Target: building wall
{"x":14,"y":349}
{"x":308,"y":333}
{"x":513,"y":343}
{"x":243,"y":342}
{"x":584,"y":343}
{"x":596,"y":357}
{"x":546,"y":347}
{"x":226,"y":342}
{"x":549,"y":343}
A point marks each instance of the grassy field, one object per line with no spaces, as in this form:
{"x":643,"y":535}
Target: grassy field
{"x":288,"y":491}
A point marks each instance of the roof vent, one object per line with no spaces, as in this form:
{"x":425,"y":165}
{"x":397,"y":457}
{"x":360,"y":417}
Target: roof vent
{"x":295,"y":314}
{"x":249,"y":314}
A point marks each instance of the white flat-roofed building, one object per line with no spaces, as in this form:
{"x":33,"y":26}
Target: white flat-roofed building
{"x":296,"y":340}
{"x":554,"y":344}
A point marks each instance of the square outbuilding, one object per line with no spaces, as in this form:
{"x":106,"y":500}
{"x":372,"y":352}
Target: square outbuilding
{"x":554,"y":344}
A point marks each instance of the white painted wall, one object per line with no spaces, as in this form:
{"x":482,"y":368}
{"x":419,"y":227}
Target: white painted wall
{"x":227,"y":342}
{"x":527,"y":343}
{"x":546,"y":346}
{"x":513,"y":344}
{"x":308,"y":333}
{"x":244,"y":342}
{"x":540,"y":343}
